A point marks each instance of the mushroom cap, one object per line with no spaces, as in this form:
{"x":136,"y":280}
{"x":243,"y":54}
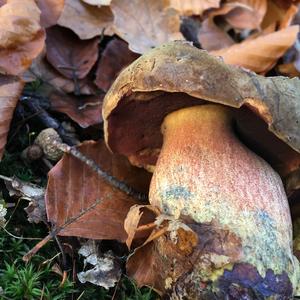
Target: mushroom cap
{"x":176,"y":75}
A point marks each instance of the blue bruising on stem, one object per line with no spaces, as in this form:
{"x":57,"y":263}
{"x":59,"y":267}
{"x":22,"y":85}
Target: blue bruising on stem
{"x":262,"y":245}
{"x":174,"y":193}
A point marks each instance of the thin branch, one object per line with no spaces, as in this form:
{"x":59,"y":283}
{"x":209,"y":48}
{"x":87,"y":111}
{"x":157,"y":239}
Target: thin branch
{"x":93,"y":165}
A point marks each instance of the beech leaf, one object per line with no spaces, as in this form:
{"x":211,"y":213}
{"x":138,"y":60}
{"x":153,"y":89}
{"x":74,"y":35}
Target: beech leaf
{"x":114,"y":58}
{"x":85,"y":20}
{"x":50,"y":11}
{"x":69,"y":55}
{"x":21,"y":36}
{"x":10,"y":90}
{"x":145,"y":24}
{"x":212,"y":37}
{"x":85,"y":111}
{"x":260,"y":54}
{"x":80,"y":203}
{"x":193,"y":7}
{"x":53,"y":81}
{"x":245,"y":14}
{"x":19,"y":22}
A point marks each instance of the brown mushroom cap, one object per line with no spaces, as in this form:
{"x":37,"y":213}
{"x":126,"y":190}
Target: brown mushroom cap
{"x":177,"y":75}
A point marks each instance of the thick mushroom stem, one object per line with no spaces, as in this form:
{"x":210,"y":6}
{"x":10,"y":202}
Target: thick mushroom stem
{"x":205,"y":174}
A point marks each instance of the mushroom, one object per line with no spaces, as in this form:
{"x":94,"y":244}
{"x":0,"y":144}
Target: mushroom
{"x":177,"y":111}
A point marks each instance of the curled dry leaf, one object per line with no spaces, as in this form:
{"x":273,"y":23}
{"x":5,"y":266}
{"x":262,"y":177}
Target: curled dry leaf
{"x":85,"y":20}
{"x":50,"y":11}
{"x":69,"y":55}
{"x":145,"y":24}
{"x":133,"y":219}
{"x":80,"y":203}
{"x":97,"y":2}
{"x":10,"y":90}
{"x":260,"y":54}
{"x":85,"y":111}
{"x":114,"y":58}
{"x":193,"y":7}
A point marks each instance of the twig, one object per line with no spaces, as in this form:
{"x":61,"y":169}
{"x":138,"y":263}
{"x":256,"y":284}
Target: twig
{"x":19,"y":237}
{"x":33,"y":103}
{"x":93,"y":165}
{"x":56,"y":231}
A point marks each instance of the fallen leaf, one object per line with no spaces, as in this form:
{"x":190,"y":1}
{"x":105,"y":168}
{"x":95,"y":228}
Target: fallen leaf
{"x":193,"y":7}
{"x":279,"y":16}
{"x":114,"y":58}
{"x":69,"y":55}
{"x":145,"y":24}
{"x":85,"y":20}
{"x":260,"y":54}
{"x":106,"y":269}
{"x":133,"y":219}
{"x":97,"y":2}
{"x":50,"y":11}
{"x":52,"y":81}
{"x":15,"y":61}
{"x":80,"y":203}
{"x":10,"y":90}
{"x":21,"y":37}
{"x":85,"y":111}
{"x":212,"y":37}
{"x":19,"y":22}
{"x":245,"y":14}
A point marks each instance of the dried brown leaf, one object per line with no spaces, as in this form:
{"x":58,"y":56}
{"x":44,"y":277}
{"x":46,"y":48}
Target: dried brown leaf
{"x":193,"y":7}
{"x":15,"y":61}
{"x":114,"y":58}
{"x":84,"y":204}
{"x":21,"y":36}
{"x":145,"y":24}
{"x":50,"y":11}
{"x":260,"y":54}
{"x":85,"y":111}
{"x":85,"y":20}
{"x":288,"y":69}
{"x":245,"y":14}
{"x":10,"y":90}
{"x":19,"y":22}
{"x":53,"y":81}
{"x":212,"y":37}
{"x":69,"y":55}
{"x":133,"y":219}
{"x":279,"y":16}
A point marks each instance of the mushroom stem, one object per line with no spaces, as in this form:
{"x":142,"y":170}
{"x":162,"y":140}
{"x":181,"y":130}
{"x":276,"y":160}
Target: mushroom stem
{"x":204,"y":174}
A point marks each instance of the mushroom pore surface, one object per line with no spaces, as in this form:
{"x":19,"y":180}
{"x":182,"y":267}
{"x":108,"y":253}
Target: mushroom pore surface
{"x":205,"y":174}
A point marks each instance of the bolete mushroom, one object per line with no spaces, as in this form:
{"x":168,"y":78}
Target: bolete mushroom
{"x":175,"y":111}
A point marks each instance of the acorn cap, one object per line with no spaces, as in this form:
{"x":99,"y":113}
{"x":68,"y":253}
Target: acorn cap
{"x":177,"y":75}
